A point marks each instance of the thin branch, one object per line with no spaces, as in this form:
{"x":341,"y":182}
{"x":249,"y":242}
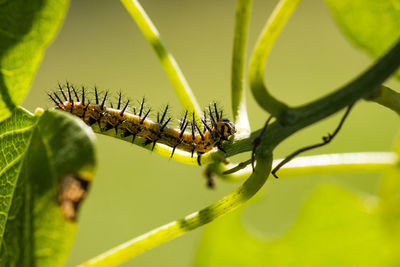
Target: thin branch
{"x":260,"y":55}
{"x":243,"y":11}
{"x":386,"y":97}
{"x":325,"y":140}
{"x":175,"y":75}
{"x":303,"y":116}
{"x":363,"y":86}
{"x":318,"y":164}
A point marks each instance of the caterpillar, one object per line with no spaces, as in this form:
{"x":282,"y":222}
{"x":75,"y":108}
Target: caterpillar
{"x":188,"y":137}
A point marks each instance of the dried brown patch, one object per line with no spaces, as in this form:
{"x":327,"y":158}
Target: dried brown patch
{"x":72,"y":192}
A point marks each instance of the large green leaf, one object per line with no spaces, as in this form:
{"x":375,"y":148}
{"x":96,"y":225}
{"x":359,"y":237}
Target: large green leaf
{"x":26,"y":29}
{"x":46,"y":163}
{"x":372,"y":25}
{"x":335,"y":228}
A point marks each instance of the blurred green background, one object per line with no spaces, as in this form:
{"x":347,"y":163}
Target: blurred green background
{"x":134,"y":190}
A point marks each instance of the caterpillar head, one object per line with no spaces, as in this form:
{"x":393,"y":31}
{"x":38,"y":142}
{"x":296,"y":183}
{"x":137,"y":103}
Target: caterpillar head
{"x":225,"y":128}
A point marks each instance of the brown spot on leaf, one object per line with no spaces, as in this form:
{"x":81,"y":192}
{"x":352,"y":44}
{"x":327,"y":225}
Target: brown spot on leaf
{"x":72,"y":192}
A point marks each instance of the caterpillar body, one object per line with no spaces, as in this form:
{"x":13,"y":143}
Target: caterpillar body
{"x":188,"y":137}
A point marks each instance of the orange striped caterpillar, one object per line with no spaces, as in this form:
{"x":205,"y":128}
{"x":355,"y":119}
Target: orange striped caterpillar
{"x":216,"y":129}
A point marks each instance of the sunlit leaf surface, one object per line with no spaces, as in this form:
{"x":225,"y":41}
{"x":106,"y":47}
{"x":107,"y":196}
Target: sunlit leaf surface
{"x":372,"y":25}
{"x":46,"y":163}
{"x":26,"y":29}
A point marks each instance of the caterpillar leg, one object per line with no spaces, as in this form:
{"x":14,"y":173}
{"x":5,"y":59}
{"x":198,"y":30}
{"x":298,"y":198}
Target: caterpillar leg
{"x":128,"y":133}
{"x":199,"y":158}
{"x":219,"y":146}
{"x":149,"y":141}
{"x":325,"y":140}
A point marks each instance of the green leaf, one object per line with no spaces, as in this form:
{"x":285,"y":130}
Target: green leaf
{"x":372,"y":25}
{"x":46,"y":161}
{"x":335,"y":228}
{"x":26,"y":29}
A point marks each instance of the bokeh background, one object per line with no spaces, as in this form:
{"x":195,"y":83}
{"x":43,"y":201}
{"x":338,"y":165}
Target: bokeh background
{"x":134,"y":190}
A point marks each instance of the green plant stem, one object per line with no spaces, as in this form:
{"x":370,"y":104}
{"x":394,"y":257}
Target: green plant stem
{"x":273,"y":27}
{"x":386,"y":97}
{"x":319,"y":164}
{"x":364,"y":85}
{"x":175,"y":75}
{"x":179,"y":155}
{"x":174,"y":229}
{"x":243,"y":12}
